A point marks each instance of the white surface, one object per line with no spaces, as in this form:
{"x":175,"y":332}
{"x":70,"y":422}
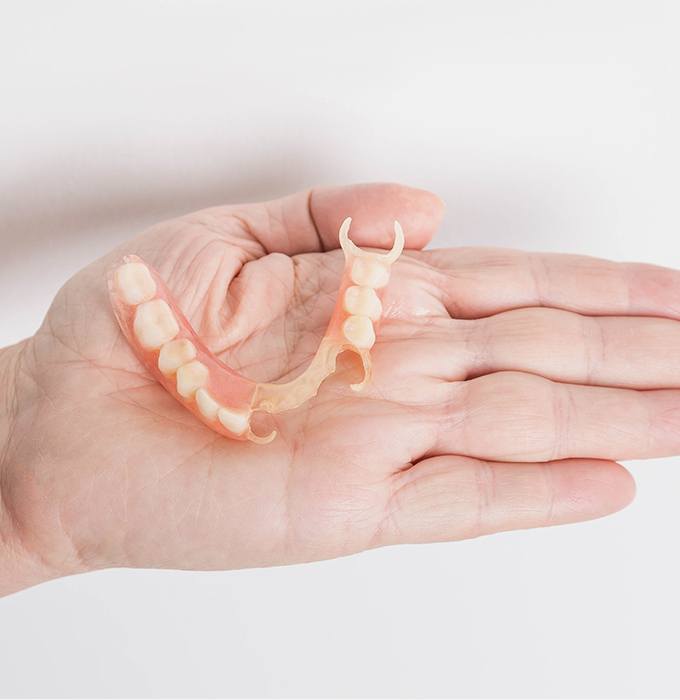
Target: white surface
{"x":550,"y":125}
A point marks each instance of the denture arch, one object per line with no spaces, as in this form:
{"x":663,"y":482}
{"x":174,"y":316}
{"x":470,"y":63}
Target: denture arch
{"x":220,"y":397}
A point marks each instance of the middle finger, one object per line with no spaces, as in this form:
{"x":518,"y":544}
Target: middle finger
{"x":617,"y":351}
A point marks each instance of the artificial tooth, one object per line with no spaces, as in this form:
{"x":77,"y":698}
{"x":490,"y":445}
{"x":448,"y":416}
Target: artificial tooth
{"x":234,"y":421}
{"x":362,"y":301}
{"x":206,"y":404}
{"x":369,"y":273}
{"x":359,"y":331}
{"x":175,"y":354}
{"x":154,"y":324}
{"x":191,"y":377}
{"x":135,"y":283}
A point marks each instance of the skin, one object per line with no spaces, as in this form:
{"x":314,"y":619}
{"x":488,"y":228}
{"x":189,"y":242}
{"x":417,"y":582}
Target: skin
{"x":506,"y":384}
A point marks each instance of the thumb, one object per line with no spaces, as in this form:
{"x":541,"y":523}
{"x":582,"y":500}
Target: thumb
{"x":309,"y":221}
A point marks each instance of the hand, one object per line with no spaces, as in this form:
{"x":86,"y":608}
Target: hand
{"x":504,"y":385}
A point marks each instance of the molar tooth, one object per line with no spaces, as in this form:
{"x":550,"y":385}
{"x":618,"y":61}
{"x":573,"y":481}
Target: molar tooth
{"x":363,"y":301}
{"x":234,"y":421}
{"x":175,"y":354}
{"x":207,"y":405}
{"x":369,"y":273}
{"x":359,"y":331}
{"x":154,"y":324}
{"x":135,"y":283}
{"x":190,"y":377}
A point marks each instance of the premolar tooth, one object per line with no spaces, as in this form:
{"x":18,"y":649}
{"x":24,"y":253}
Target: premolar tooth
{"x":154,"y":324}
{"x":359,"y":331}
{"x":234,"y":421}
{"x":190,"y":377}
{"x":175,"y":354}
{"x":362,"y":301}
{"x":369,"y":273}
{"x":135,"y":283}
{"x":206,"y":404}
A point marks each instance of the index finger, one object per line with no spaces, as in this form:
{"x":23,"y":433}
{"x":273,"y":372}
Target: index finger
{"x":478,"y":282}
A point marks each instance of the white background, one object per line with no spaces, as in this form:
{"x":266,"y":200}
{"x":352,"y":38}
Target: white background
{"x":548,"y":125}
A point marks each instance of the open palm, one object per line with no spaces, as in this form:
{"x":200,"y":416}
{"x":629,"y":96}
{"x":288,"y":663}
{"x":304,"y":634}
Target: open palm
{"x":504,"y":383}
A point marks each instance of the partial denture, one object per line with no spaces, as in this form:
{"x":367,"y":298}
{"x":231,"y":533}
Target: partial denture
{"x":219,"y":396}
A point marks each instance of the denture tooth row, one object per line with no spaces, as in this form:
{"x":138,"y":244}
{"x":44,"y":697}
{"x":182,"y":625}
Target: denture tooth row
{"x":368,"y":272}
{"x":155,"y":327}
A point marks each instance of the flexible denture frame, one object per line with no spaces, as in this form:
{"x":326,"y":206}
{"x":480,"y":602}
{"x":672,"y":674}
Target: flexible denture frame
{"x":167,"y":345}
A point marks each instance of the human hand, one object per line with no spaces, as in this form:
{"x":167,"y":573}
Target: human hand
{"x":504,"y":384}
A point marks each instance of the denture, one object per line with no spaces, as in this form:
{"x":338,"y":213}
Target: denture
{"x":223,"y":399}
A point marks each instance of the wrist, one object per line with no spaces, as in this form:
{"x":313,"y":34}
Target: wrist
{"x":8,"y":363}
{"x":22,"y":563}
{"x":10,"y":359}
